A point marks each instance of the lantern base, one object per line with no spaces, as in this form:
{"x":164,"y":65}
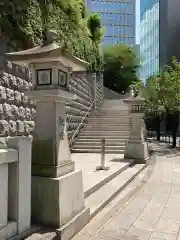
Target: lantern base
{"x":59,"y":203}
{"x":53,"y":171}
{"x":137,"y":151}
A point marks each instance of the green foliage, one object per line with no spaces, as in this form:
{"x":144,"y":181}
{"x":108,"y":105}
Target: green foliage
{"x":25,"y":21}
{"x":162,"y":92}
{"x":137,"y":87}
{"x":94,"y":25}
{"x":120,"y":66}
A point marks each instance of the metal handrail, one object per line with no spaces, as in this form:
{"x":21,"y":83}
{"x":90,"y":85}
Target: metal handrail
{"x":82,"y":121}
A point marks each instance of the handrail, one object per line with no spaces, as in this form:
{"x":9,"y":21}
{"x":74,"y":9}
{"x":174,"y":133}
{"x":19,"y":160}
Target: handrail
{"x":78,"y":128}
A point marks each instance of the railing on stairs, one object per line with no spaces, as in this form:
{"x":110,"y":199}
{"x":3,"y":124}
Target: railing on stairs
{"x":83,"y":121}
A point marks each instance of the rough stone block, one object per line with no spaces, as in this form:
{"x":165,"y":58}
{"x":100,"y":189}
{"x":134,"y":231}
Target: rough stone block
{"x":17,"y":98}
{"x":2,"y":94}
{"x":4,"y":128}
{"x":10,"y":95}
{"x":7,"y":111}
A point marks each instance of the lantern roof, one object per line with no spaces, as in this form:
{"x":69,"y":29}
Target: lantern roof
{"x":46,"y":53}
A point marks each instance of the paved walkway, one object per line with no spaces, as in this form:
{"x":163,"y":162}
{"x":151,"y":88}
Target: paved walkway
{"x":88,"y":162}
{"x":154,"y":211}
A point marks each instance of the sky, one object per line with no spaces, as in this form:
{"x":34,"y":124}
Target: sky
{"x":137,"y":20}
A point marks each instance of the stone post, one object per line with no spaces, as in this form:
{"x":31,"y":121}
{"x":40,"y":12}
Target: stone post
{"x":136,"y":147}
{"x":94,"y":81}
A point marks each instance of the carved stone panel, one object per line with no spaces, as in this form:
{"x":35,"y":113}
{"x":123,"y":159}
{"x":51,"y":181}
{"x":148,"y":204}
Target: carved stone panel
{"x":60,"y":128}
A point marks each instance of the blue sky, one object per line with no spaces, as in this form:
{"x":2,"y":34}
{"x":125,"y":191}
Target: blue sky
{"x":137,"y":20}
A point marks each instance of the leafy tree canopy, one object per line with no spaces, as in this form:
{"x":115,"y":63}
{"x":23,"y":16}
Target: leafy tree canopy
{"x":120,"y":66}
{"x":162,"y":92}
{"x":25,"y":21}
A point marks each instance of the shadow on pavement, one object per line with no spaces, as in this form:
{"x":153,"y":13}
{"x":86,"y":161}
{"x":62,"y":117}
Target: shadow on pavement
{"x":162,"y":149}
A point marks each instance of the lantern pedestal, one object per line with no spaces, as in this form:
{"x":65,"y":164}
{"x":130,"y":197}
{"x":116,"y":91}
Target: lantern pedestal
{"x":136,"y":147}
{"x":137,"y":151}
{"x":57,"y":189}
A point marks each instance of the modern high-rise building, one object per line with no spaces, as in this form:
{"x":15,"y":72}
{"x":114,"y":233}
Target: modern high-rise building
{"x":159,"y":34}
{"x":118,"y":17}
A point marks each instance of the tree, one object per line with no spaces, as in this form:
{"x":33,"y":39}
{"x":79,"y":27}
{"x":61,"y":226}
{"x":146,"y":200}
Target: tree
{"x":162,"y":95}
{"x":120,"y":66}
{"x":95,"y":28}
{"x":153,"y":108}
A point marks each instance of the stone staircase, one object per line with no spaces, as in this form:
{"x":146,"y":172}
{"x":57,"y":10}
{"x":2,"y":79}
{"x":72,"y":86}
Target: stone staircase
{"x":111,"y":122}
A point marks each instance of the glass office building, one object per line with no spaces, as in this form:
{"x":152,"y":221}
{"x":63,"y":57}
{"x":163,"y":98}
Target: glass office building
{"x":149,"y":38}
{"x":118,"y":18}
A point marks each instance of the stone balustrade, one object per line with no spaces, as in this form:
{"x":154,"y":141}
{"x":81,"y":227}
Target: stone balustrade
{"x":15,"y":178}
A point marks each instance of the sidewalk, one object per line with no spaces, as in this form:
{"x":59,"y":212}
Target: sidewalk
{"x":154,"y":211}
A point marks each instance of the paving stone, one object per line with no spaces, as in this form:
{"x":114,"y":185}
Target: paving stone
{"x":137,"y":234}
{"x":112,"y":232}
{"x":125,"y":220}
{"x":167,"y":226}
{"x":81,"y":237}
{"x":163,"y":236}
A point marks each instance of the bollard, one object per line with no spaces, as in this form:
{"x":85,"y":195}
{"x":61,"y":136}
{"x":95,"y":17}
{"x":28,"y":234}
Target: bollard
{"x":102,"y":167}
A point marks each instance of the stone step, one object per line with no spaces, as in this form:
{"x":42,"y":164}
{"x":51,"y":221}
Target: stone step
{"x":98,"y":141}
{"x":99,"y":127}
{"x":93,"y":146}
{"x":114,"y":114}
{"x":100,"y":198}
{"x":106,"y":133}
{"x":101,"y":178}
{"x":98,"y":137}
{"x":108,"y":121}
{"x":109,"y":112}
{"x":107,"y":151}
{"x":110,"y":117}
{"x":109,"y":124}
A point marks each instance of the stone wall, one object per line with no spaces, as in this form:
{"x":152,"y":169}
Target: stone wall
{"x":81,"y":85}
{"x":17,"y":113}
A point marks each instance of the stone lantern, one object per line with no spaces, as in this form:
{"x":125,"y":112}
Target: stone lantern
{"x":136,"y":147}
{"x":57,"y":189}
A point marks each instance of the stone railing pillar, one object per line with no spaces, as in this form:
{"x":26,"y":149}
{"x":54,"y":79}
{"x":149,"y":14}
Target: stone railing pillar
{"x":136,"y":147}
{"x":94,"y":82}
{"x":102,"y":83}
